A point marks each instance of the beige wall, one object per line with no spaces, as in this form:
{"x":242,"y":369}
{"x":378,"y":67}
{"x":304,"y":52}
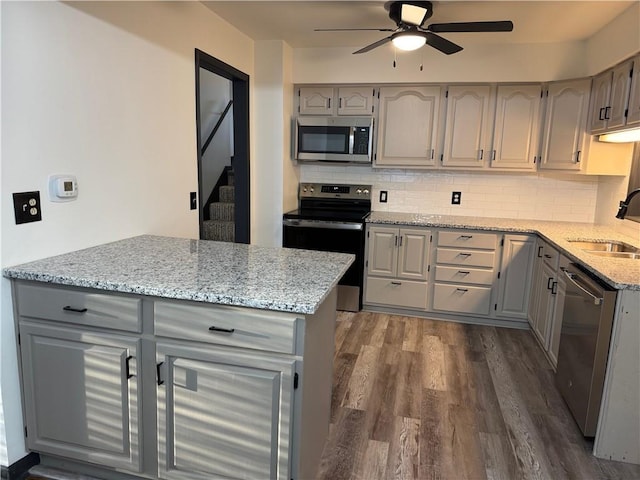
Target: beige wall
{"x":105,"y":91}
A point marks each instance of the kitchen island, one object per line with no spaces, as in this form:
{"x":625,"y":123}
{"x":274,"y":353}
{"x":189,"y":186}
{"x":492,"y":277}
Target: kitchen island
{"x":618,"y":431}
{"x":156,"y":357}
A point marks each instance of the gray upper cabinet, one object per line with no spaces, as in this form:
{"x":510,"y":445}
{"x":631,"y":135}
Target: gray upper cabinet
{"x":408,"y":123}
{"x":565,"y":124}
{"x":517,"y":127}
{"x":323,"y":100}
{"x":239,"y":431}
{"x":610,"y":98}
{"x":468,"y":126}
{"x":81,"y":394}
{"x":633,"y":116}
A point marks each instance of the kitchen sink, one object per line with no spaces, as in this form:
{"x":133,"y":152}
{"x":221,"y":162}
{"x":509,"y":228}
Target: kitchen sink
{"x":608,"y":248}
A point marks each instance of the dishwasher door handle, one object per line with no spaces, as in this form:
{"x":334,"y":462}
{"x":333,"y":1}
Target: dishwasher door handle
{"x":572,"y":276}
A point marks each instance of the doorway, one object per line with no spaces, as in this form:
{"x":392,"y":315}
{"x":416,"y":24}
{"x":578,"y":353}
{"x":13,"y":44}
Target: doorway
{"x":222,"y":127}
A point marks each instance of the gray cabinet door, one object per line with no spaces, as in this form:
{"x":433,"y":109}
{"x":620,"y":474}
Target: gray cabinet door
{"x":515,"y":276}
{"x":223,"y":413}
{"x":81,"y":394}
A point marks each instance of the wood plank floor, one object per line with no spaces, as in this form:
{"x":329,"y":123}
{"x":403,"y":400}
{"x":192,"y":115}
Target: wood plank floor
{"x":423,"y":399}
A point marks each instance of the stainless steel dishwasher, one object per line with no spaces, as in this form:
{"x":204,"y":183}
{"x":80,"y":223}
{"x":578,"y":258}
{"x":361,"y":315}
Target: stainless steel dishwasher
{"x":584,"y":345}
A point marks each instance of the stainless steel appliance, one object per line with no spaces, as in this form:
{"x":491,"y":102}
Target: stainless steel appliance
{"x":334,"y":139}
{"x":330,"y":218}
{"x":584,"y":345}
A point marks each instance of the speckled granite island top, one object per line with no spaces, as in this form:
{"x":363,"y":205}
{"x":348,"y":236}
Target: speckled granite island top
{"x":620,"y":273}
{"x":215,"y":272}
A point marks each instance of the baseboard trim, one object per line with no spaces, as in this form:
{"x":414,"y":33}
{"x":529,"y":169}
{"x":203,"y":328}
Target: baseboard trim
{"x":18,"y":470}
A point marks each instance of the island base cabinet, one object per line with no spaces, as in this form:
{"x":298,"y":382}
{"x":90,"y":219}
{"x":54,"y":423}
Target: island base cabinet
{"x":81,"y":394}
{"x":223,"y":414}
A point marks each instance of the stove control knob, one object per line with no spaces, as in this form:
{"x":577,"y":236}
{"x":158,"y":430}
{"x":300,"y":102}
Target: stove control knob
{"x":366,"y":192}
{"x":311,"y":189}
{"x":358,"y":191}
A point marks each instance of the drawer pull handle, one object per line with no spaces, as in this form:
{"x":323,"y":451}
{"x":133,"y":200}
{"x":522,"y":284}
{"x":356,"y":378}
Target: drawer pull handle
{"x":546,"y":255}
{"x":221,"y":330}
{"x":158,"y":379}
{"x":127,"y":367}
{"x":463,"y":273}
{"x":396,"y":283}
{"x":76,"y":310}
{"x":464,"y":254}
{"x":463,"y":290}
{"x":466,"y":237}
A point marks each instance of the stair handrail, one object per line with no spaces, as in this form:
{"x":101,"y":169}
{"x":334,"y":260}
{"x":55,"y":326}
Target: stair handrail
{"x":217,"y":126}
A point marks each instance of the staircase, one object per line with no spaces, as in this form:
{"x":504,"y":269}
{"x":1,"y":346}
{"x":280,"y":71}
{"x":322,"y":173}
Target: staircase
{"x":221,"y":225}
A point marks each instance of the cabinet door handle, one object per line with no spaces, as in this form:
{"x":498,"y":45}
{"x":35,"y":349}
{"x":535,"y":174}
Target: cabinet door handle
{"x":401,"y":240}
{"x":481,"y":154}
{"x":329,"y":103}
{"x":493,"y":155}
{"x":396,"y":283}
{"x":396,"y":240}
{"x":340,"y":102}
{"x":213,"y":328}
{"x":600,"y":114}
{"x":127,"y":367}
{"x":549,"y":283}
{"x":540,"y":252}
{"x":463,"y":290}
{"x":72,"y":309}
{"x":606,"y":113}
{"x":554,"y":288}
{"x":578,"y":156}
{"x":432,"y":153}
{"x":158,"y":378}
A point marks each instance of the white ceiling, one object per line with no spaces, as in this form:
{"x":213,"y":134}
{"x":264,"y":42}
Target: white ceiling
{"x":539,"y":21}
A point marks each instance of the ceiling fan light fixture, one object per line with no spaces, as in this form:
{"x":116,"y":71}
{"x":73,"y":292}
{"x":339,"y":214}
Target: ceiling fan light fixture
{"x":408,"y":41}
{"x":412,"y":14}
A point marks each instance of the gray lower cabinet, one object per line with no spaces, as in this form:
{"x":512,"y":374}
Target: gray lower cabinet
{"x":81,"y":394}
{"x":514,"y":286}
{"x":223,"y":414}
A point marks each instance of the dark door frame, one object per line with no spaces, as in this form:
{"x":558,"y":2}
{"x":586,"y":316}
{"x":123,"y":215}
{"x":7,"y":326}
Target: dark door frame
{"x":240,"y":95}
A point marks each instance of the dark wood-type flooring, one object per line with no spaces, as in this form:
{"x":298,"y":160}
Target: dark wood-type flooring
{"x":423,"y":399}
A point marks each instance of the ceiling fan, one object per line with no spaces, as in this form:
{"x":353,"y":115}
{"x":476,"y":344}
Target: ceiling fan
{"x":410,"y":34}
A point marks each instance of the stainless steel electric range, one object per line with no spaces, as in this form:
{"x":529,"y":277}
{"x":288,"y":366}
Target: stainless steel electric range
{"x":331,"y":218}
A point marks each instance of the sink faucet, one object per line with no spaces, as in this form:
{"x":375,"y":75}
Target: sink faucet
{"x":625,"y":203}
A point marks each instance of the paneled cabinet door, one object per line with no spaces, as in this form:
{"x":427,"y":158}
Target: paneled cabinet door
{"x":536,"y":282}
{"x":408,"y":126}
{"x":223,"y":413}
{"x":515,"y":276}
{"x":565,"y":125}
{"x":620,"y":85}
{"x":81,"y":394}
{"x":382,"y":258}
{"x":633,"y":116}
{"x":546,"y":305}
{"x":468,"y":126}
{"x":355,"y":100}
{"x":517,"y":127}
{"x":316,"y":101}
{"x":600,"y":94}
{"x":412,"y":254}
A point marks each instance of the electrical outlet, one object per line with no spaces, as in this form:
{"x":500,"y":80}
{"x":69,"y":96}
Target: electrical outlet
{"x":193,"y":202}
{"x":456,"y":198}
{"x":26,"y":206}
{"x":383,"y":196}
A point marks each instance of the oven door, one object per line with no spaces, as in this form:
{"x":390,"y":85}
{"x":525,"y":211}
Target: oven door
{"x":328,"y":236}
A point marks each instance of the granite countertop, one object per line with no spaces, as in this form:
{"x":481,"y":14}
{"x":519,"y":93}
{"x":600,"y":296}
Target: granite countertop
{"x":620,"y":273}
{"x":280,"y":279}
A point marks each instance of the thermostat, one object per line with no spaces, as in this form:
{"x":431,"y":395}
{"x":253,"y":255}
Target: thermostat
{"x":63,"y":188}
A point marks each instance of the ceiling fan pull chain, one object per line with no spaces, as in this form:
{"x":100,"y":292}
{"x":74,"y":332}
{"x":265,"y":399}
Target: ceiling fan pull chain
{"x":422,"y":61}
{"x":395,"y":56}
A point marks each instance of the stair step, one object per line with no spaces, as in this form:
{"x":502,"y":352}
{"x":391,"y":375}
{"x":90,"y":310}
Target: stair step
{"x":227,"y":194}
{"x":231,"y":179}
{"x":218,"y":230}
{"x":222,"y":211}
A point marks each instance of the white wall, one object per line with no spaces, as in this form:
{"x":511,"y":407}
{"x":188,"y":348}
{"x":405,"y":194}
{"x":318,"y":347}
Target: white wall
{"x":105,"y":91}
{"x":272,"y":97}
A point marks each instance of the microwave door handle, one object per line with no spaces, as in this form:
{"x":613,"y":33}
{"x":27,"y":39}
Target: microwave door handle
{"x":352,"y":131}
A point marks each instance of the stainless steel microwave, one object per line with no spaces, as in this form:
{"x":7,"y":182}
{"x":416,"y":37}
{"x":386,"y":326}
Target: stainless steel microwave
{"x":334,"y":139}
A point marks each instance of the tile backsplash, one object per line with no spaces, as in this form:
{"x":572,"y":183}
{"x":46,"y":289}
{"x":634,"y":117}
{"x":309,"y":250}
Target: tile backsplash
{"x":533,"y":196}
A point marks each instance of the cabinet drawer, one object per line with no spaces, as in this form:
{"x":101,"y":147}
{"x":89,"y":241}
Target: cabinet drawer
{"x":472,"y":276}
{"x":400,"y":293}
{"x":231,"y":326}
{"x":462,"y":299}
{"x":470,"y":258}
{"x":79,"y":307}
{"x":467,"y":240}
{"x":551,"y":256}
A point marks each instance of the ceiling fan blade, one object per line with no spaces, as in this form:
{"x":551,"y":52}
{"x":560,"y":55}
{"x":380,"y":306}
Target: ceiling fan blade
{"x":368,"y":48}
{"x":354,"y":29}
{"x":501,"y":26}
{"x":442,"y":44}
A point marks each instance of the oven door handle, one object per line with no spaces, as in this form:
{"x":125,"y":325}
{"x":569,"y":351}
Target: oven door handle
{"x":288,"y":222}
